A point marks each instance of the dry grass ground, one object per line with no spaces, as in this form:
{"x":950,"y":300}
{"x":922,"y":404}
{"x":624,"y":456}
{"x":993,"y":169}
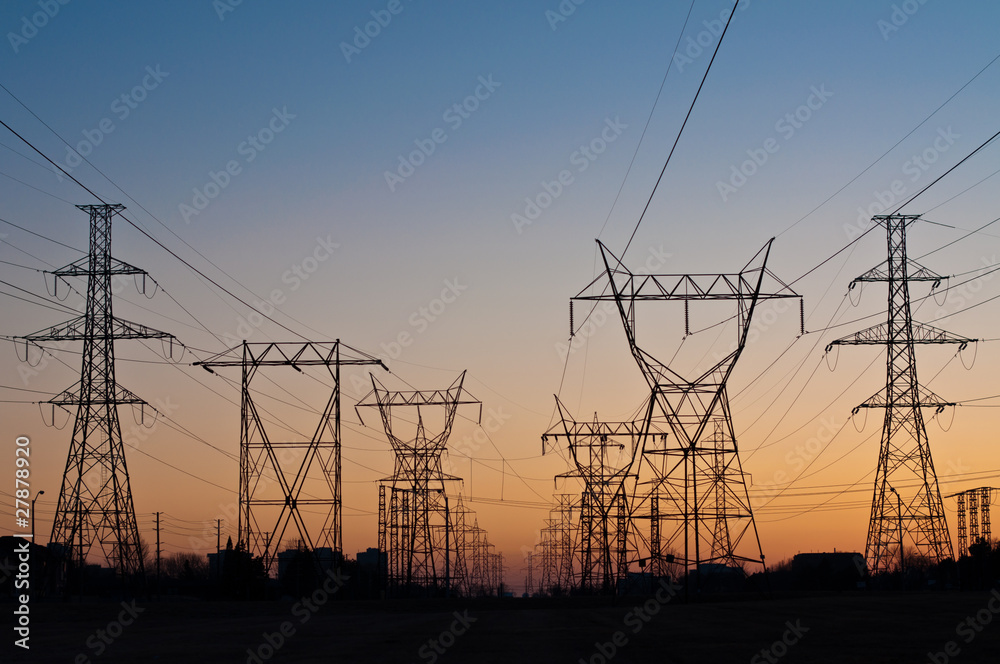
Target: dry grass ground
{"x":863,"y":628}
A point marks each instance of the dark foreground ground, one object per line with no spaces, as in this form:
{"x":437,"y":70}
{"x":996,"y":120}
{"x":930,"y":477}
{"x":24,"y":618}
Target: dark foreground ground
{"x":864,"y":628}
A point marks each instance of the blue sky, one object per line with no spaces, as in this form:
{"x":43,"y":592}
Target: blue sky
{"x":345,"y":124}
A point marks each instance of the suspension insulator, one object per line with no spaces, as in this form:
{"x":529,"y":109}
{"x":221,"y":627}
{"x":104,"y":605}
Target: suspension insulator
{"x":687,"y":319}
{"x":802,"y":316}
{"x":572,"y":329}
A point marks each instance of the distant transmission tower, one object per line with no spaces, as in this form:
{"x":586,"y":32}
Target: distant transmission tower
{"x":904,"y":466}
{"x":692,"y":491}
{"x":604,"y":454}
{"x":95,"y":501}
{"x":265,"y":515}
{"x":415,"y":522}
{"x":978,"y":502}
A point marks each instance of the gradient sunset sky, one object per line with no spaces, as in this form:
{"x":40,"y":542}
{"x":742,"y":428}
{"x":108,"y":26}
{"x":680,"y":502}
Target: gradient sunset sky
{"x":377,"y":189}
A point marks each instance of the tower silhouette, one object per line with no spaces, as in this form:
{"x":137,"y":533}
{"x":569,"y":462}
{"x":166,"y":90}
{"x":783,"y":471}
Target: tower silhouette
{"x":692,"y":488}
{"x":95,"y":505}
{"x":905,"y":466}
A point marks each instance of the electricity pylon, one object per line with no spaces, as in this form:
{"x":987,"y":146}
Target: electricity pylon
{"x":604,"y":456}
{"x":265,"y":515}
{"x":95,"y":502}
{"x":695,"y":483}
{"x":905,"y":453}
{"x":415,"y":522}
{"x":978,"y":501}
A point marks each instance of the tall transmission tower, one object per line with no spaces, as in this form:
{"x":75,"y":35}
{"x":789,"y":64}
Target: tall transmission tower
{"x":604,"y":456}
{"x":692,"y":490}
{"x":266,"y":513}
{"x":95,"y":502}
{"x":415,"y":523}
{"x":905,"y":453}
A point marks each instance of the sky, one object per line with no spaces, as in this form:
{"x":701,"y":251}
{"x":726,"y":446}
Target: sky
{"x":431,"y":192}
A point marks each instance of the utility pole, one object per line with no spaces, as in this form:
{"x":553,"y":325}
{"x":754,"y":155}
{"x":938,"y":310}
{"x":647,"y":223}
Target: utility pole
{"x":218,"y":546}
{"x":905,"y":453}
{"x":95,"y":500}
{"x":157,"y":550}
{"x":33,"y":515}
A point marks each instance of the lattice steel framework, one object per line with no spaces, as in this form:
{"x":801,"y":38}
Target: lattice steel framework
{"x":266,"y":513}
{"x":558,"y":547}
{"x":415,"y":524}
{"x":604,"y":456}
{"x":978,"y":510}
{"x":478,"y":553}
{"x":692,"y":491}
{"x":905,"y":453}
{"x":95,"y":501}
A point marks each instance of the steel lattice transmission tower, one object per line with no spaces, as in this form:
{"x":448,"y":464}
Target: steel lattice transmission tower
{"x":905,"y":453}
{"x":604,"y":456}
{"x":266,"y":513}
{"x":692,"y":491}
{"x":95,"y":505}
{"x":415,"y":523}
{"x":977,"y":502}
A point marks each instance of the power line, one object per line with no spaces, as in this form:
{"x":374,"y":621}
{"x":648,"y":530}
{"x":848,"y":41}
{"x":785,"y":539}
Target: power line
{"x":681,"y":130}
{"x":938,"y":178}
{"x":648,"y":119}
{"x":894,"y":146}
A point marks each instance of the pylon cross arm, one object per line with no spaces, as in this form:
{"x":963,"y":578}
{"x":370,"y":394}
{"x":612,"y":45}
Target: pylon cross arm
{"x":76,"y":330}
{"x":914,"y":272}
{"x":81,"y":268}
{"x":925,"y":399}
{"x":881,"y":335}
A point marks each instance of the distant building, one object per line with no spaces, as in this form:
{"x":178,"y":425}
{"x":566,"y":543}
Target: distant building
{"x":372,"y":560}
{"x":288,"y":558}
{"x":840,"y":570}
